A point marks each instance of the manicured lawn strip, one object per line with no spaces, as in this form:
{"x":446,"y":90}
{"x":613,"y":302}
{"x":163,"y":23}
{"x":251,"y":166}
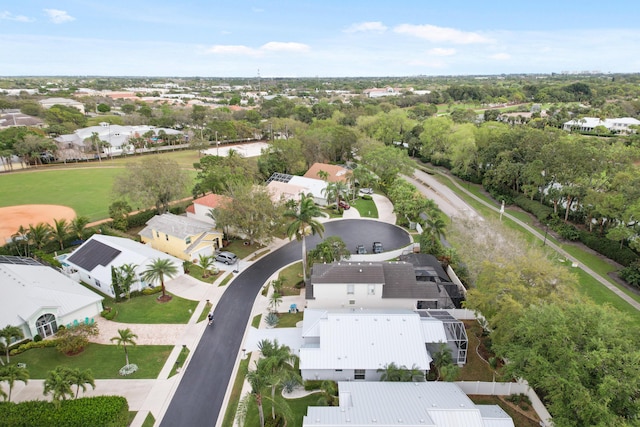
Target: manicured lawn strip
{"x":289,"y":320}
{"x":291,"y":276}
{"x":149,"y":421}
{"x":519,"y":420}
{"x":226,"y":279}
{"x":197,"y":272}
{"x":234,"y":398}
{"x":147,"y":309}
{"x":240,"y":249}
{"x":366,"y":208}
{"x":104,"y":360}
{"x":132,"y":415}
{"x":255,"y":322}
{"x":179,"y":361}
{"x":205,"y":312}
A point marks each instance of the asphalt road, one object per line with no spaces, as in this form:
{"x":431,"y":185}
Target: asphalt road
{"x":200,"y":394}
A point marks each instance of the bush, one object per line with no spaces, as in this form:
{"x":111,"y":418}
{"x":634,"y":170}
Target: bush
{"x":37,"y":338}
{"x":140,"y":219}
{"x":567,"y":231}
{"x":109,"y":314}
{"x":33,"y":344}
{"x":540,"y":211}
{"x":151,"y":291}
{"x":609,"y":248}
{"x":312,"y":385}
{"x":366,"y":197}
{"x":631,"y":274}
{"x":99,"y":411}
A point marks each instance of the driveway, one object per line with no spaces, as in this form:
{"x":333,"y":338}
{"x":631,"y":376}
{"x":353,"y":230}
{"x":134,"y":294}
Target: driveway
{"x":199,"y":398}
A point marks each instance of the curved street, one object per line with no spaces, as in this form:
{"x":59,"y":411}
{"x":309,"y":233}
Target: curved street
{"x":199,"y":398}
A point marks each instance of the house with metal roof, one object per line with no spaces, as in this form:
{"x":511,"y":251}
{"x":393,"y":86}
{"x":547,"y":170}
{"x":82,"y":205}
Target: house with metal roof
{"x":373,"y":285}
{"x":39,"y":298}
{"x":91,"y":263}
{"x":347,"y":345}
{"x":391,"y":404}
{"x":181,"y":236}
{"x":292,"y":184}
{"x":50,"y":102}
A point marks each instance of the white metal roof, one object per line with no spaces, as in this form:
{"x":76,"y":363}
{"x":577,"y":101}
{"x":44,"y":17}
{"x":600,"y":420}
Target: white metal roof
{"x":437,"y":404}
{"x":433,"y":330}
{"x":315,"y":186}
{"x":175,"y":225}
{"x":367,"y":340}
{"x":28,"y":288}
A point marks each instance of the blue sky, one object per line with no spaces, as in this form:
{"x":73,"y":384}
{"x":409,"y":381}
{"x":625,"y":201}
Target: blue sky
{"x":326,"y":38}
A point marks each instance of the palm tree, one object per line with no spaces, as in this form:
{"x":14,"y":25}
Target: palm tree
{"x":323,"y":175}
{"x":58,"y":385}
{"x":21,"y":239}
{"x":157,"y":271}
{"x":329,"y":391}
{"x":125,"y":336}
{"x":78,"y":226}
{"x":39,"y":234}
{"x":304,"y":224}
{"x":258,"y":379}
{"x":391,"y":372}
{"x":279,"y":362}
{"x":205,"y":261}
{"x":11,"y":374}
{"x":436,"y":226}
{"x":8,"y":334}
{"x":81,"y":379}
{"x":127,"y":276}
{"x":274,"y":301}
{"x":330,"y":192}
{"x":442,"y":358}
{"x":94,"y":141}
{"x":59,"y":231}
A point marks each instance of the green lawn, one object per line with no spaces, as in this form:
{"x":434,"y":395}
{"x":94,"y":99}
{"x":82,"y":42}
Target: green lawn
{"x":366,"y":208}
{"x":197,"y":272}
{"x":146,"y":309}
{"x":289,"y":320}
{"x":298,"y":407}
{"x":291,"y":276}
{"x":104,"y":360}
{"x":234,"y":399}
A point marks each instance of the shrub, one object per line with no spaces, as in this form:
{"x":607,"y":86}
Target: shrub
{"x":567,"y":231}
{"x":33,"y":344}
{"x":540,"y":211}
{"x":109,"y":314}
{"x":128,"y":369}
{"x":312,"y":385}
{"x":37,"y":338}
{"x":631,"y":274}
{"x":366,"y":197}
{"x":140,"y":219}
{"x":272,"y":319}
{"x":151,"y":291}
{"x":608,"y":248}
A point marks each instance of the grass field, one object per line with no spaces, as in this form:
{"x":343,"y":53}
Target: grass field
{"x":104,"y":360}
{"x":146,"y":309}
{"x":86,"y":187}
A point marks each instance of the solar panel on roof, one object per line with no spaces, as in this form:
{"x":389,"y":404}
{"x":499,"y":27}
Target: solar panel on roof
{"x":16,"y":260}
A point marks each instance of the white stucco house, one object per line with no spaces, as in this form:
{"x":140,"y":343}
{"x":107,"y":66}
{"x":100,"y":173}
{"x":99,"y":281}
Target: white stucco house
{"x":373,"y":285}
{"x":588,"y":124}
{"x":202,"y":206}
{"x":38,"y":298}
{"x":351,"y":345}
{"x":425,"y":404}
{"x":91,"y":263}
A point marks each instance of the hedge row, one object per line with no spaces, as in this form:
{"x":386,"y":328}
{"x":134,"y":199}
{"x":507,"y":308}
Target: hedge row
{"x":542,"y":212}
{"x":33,"y":344}
{"x":100,"y":411}
{"x":609,"y":248}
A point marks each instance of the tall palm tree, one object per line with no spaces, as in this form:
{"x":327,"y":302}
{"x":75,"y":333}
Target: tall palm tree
{"x":303,"y":224}
{"x":125,"y":336}
{"x":81,"y":379}
{"x":258,"y":379}
{"x":279,"y":362}
{"x":78,"y":226}
{"x":21,"y":240}
{"x":442,"y":358}
{"x":274,"y":301}
{"x":58,"y":385}
{"x":157,"y":271}
{"x":436,"y":226}
{"x":39,"y":234}
{"x":60,"y":231}
{"x":11,"y":374}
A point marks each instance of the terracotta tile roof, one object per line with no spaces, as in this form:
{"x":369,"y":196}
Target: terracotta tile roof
{"x":336,"y":173}
{"x":212,"y":200}
{"x":191,"y":209}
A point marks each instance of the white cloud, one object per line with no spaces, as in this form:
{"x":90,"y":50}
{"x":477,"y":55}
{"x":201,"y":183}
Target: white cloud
{"x":286,"y":47}
{"x":500,"y":56}
{"x":440,"y":51}
{"x":8,"y":16}
{"x":378,"y":27}
{"x":233,"y":50}
{"x":441,"y":34}
{"x":58,"y":16}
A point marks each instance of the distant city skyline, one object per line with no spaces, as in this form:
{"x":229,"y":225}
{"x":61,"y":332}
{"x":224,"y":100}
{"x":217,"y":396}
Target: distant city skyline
{"x":317,"y":38}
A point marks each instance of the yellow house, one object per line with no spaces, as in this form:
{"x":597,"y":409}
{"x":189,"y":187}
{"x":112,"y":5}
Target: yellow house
{"x":182,"y":237}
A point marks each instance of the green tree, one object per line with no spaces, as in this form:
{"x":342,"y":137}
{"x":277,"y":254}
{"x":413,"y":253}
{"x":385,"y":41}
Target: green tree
{"x":303,"y":223}
{"x":441,"y":358}
{"x":125,"y":337}
{"x":157,"y":271}
{"x":205,"y":262}
{"x":9,"y":334}
{"x":58,"y":384}
{"x":329,"y":390}
{"x":95,"y":143}
{"x":331,"y":249}
{"x":11,"y":374}
{"x":60,"y":231}
{"x":74,"y":339}
{"x":119,"y":212}
{"x":39,"y":234}
{"x":279,"y":363}
{"x":81,"y":379}
{"x":258,"y":379}
{"x":387,"y":162}
{"x":103,"y":108}
{"x":78,"y":226}
{"x":127,"y":276}
{"x":156,"y":181}
{"x":274,"y":301}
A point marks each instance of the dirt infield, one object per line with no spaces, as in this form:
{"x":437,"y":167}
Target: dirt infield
{"x":12,"y":217}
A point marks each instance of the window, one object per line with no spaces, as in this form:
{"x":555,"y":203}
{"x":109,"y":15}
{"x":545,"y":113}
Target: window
{"x":358,"y":374}
{"x":166,"y":236}
{"x":350,"y":289}
{"x":188,"y":240}
{"x":98,"y":283}
{"x":372,"y":289}
{"x":338,"y":370}
{"x":46,"y":325}
{"x":352,"y":302}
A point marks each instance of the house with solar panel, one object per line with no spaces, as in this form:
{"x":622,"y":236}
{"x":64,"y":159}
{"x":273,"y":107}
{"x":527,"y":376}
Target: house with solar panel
{"x":38,"y":298}
{"x":91,"y":263}
{"x":418,"y":404}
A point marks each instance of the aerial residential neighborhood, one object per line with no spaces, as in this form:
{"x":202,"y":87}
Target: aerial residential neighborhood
{"x":319,"y":214}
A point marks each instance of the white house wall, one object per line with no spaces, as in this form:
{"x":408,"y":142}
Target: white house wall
{"x":337,"y":375}
{"x":332,"y":296}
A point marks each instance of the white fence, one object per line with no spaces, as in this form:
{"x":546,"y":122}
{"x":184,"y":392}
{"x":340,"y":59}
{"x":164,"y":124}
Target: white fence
{"x":505,"y":389}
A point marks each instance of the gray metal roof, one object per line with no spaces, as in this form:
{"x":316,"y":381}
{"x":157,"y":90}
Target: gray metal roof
{"x":93,"y":253}
{"x":17,"y":260}
{"x":175,"y":225}
{"x":385,"y":404}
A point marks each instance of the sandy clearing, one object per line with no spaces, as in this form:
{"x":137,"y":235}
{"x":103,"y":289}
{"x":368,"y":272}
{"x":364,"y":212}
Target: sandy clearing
{"x":12,"y":217}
